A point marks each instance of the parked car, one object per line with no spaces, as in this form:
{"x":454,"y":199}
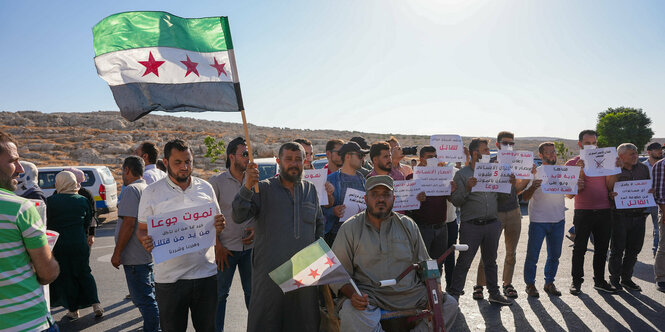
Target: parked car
{"x":98,"y":180}
{"x":267,"y":167}
{"x":320,"y":163}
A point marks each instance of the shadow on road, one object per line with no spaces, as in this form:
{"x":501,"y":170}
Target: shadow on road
{"x":88,"y":320}
{"x":573,"y":322}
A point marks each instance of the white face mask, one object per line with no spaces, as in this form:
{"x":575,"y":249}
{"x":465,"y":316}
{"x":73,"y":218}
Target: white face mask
{"x":484,"y":159}
{"x":507,"y":147}
{"x":589,"y":147}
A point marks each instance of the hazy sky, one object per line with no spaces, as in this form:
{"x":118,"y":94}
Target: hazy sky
{"x":472,"y":67}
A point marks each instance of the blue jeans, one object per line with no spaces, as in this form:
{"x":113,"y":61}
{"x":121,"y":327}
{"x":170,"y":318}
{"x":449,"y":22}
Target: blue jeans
{"x":243,"y":260}
{"x":553,"y":234}
{"x":653,"y":211}
{"x":140,"y":282}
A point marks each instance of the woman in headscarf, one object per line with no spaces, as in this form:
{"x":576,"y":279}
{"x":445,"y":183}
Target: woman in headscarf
{"x":69,"y":214}
{"x":80,"y":178}
{"x":28,"y":186}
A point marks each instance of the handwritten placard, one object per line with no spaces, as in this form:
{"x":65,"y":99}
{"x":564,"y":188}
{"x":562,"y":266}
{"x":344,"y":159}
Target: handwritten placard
{"x":633,"y":194}
{"x":405,"y":195}
{"x":434,"y":180}
{"x":492,"y":177}
{"x":521,"y":162}
{"x":449,"y":148}
{"x":600,"y":162}
{"x":183,"y":231}
{"x":354,"y":202}
{"x":318,"y":177}
{"x":558,"y":179}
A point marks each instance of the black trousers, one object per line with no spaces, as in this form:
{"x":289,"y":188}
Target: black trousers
{"x":627,"y":240}
{"x":587,"y":222}
{"x":175,"y":300}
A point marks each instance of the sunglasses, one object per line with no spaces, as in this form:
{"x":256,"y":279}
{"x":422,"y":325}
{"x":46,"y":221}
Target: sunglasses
{"x":245,"y":154}
{"x":508,"y":143}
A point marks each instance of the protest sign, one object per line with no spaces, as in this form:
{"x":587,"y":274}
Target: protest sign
{"x":318,"y":177}
{"x":558,"y":179}
{"x":521,"y":162}
{"x":405,"y":195}
{"x":354,"y":202}
{"x":600,"y":162}
{"x":434,"y":180}
{"x":183,"y":231}
{"x":492,"y":177}
{"x":449,"y":148}
{"x":633,"y":194}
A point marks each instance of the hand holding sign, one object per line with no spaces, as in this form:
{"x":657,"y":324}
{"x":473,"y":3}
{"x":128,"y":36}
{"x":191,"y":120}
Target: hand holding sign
{"x":354,"y":203}
{"x":521,"y":162}
{"x":492,"y":178}
{"x":633,"y":194}
{"x":600,"y":162}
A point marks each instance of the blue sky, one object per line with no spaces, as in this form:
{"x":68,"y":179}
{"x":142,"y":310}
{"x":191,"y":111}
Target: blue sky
{"x":472,"y":67}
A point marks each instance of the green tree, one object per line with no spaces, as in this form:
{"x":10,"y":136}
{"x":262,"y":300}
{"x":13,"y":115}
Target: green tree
{"x":623,"y":125}
{"x":215,"y":149}
{"x":562,"y":152}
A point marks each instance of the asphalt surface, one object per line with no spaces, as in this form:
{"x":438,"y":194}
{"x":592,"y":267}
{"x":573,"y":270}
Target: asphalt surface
{"x":591,"y":311}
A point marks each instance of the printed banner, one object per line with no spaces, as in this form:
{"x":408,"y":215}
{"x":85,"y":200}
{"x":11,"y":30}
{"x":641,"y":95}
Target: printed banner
{"x":559,"y":179}
{"x":405,"y":195}
{"x":600,"y":162}
{"x":521,"y":162}
{"x":318,"y":177}
{"x":354,"y":203}
{"x":633,"y":194}
{"x":449,"y":148}
{"x":434,"y":180}
{"x":492,"y":177}
{"x":183,"y":231}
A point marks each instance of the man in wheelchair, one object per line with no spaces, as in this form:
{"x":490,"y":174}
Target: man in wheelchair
{"x":376,"y":245}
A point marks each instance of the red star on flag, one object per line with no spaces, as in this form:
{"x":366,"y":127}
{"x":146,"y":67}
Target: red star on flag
{"x":298,"y":283}
{"x":314,"y":273}
{"x":219,"y":67}
{"x":330,"y":262}
{"x":151,"y":66}
{"x":191,"y":66}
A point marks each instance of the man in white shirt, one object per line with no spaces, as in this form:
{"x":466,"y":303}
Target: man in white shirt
{"x":187,"y":282}
{"x":148,"y":152}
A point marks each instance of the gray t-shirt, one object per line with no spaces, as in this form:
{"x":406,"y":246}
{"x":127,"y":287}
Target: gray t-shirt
{"x":134,"y":253}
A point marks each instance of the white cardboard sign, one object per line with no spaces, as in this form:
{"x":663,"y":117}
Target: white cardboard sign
{"x":521,"y":162}
{"x":492,"y":177}
{"x":318,"y":177}
{"x":434,"y":180}
{"x":559,"y":179}
{"x":600,"y":162}
{"x":449,"y":148}
{"x":405,"y":195}
{"x":633,"y":194}
{"x":354,"y":202}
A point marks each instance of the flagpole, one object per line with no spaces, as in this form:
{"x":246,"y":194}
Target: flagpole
{"x":249,"y":145}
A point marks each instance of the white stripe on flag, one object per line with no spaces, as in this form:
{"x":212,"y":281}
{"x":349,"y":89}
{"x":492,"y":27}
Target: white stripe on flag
{"x":122,"y":67}
{"x":307,"y":277}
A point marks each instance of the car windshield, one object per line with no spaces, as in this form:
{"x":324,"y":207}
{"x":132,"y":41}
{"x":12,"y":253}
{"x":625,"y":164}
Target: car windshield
{"x":267,"y":171}
{"x":107,"y":177}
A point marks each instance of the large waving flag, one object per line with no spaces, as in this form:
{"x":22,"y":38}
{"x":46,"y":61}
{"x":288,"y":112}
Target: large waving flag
{"x":155,"y":61}
{"x":314,"y":265}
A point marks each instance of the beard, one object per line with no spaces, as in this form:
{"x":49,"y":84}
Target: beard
{"x":179,"y":179}
{"x":240,"y":166}
{"x":549,"y":161}
{"x":385,"y":168}
{"x":657,"y":157}
{"x":284,"y":173}
{"x":10,"y":182}
{"x":380,"y":213}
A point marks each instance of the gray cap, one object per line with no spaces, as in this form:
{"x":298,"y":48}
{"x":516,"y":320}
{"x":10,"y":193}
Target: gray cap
{"x":379,"y":180}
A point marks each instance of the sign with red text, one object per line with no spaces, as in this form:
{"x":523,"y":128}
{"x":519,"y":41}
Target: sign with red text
{"x":558,"y":179}
{"x":318,"y":177}
{"x":406,"y":192}
{"x":182,"y":231}
{"x":449,"y":148}
{"x":492,"y":177}
{"x":434,"y":180}
{"x":633,"y":194}
{"x":600,"y":161}
{"x":354,"y":203}
{"x":521,"y":162}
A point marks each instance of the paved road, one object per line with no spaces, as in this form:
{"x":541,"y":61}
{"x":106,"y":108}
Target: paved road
{"x":591,"y":311}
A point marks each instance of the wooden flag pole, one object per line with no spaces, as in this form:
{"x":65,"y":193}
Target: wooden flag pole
{"x":249,"y":145}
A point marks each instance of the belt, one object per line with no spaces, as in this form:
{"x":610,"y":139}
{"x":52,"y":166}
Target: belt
{"x":433,"y":226}
{"x":480,"y":221}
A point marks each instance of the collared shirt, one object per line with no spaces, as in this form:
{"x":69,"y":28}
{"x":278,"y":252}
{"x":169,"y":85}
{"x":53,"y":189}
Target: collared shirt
{"x":595,"y":195}
{"x":546,"y":208}
{"x":153,"y":174}
{"x":133,"y":253}
{"x":370,"y":255}
{"x":474,"y":205}
{"x":638,"y":172}
{"x":658,"y":176}
{"x":226,"y":188}
{"x":21,"y":228}
{"x":648,"y":164}
{"x":395,"y":173}
{"x":164,"y":196}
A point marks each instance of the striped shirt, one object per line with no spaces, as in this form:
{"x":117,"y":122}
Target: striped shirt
{"x":658,"y":176}
{"x":22,"y":302}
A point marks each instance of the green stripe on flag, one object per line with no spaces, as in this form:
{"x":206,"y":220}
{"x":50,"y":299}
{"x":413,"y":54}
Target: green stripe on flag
{"x":299,"y":261}
{"x":151,"y":29}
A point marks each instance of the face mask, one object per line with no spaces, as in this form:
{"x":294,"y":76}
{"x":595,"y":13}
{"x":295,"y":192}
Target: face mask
{"x":507,"y":147}
{"x":484,"y":159}
{"x":589,"y":147}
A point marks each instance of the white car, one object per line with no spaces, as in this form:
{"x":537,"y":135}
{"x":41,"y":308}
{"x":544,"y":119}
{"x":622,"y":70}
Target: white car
{"x":98,"y":180}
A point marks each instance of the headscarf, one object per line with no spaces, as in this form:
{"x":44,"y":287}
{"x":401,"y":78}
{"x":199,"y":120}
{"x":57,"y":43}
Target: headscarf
{"x":65,"y":183}
{"x":28,"y":179}
{"x":80,"y":176}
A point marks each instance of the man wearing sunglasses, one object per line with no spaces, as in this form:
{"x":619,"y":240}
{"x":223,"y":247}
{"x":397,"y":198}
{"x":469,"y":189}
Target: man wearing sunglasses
{"x":309,"y":152}
{"x":335,"y":161}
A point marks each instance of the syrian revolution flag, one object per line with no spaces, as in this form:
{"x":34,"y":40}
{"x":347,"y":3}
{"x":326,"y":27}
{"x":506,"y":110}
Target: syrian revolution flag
{"x":314,"y":265}
{"x":155,"y":61}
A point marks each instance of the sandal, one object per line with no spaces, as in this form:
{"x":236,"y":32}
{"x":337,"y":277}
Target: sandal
{"x":477,"y":292}
{"x":510,"y":291}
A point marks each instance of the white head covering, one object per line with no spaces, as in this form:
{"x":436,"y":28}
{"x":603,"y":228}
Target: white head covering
{"x":80,"y":176}
{"x":28,"y":179}
{"x":65,"y":183}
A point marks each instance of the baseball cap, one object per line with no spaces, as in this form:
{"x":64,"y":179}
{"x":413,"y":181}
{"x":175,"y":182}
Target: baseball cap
{"x":361,"y":142}
{"x":351,"y":147}
{"x":654,"y":146}
{"x":379,"y":180}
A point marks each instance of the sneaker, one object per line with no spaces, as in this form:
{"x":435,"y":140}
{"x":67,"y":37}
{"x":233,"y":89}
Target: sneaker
{"x":605,"y":287}
{"x":531,"y":290}
{"x":73,"y":315}
{"x":616,"y":284}
{"x":661,"y":286}
{"x":629,"y":284}
{"x":551,"y":289}
{"x":575,"y":289}
{"x":499,"y":299}
{"x":97,"y":308}
{"x":477,"y":292}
